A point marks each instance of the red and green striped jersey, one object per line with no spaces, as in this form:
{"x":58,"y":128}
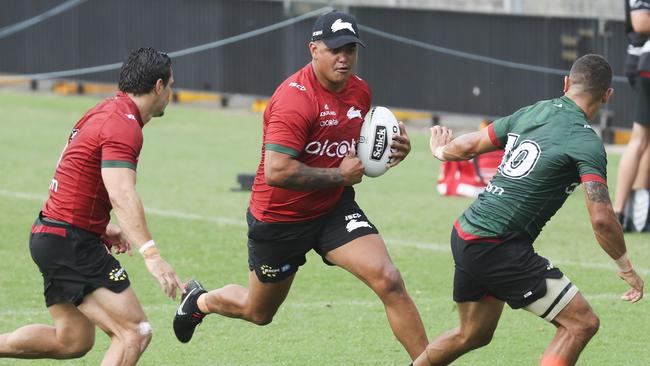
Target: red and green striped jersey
{"x":108,"y":135}
{"x":316,"y":127}
{"x":549,"y":149}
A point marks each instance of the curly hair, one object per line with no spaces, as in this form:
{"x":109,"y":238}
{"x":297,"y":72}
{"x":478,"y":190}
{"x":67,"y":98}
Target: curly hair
{"x":142,"y":69}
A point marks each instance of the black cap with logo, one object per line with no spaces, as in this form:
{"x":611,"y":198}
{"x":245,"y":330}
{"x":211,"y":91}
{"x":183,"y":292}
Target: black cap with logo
{"x":336,"y":29}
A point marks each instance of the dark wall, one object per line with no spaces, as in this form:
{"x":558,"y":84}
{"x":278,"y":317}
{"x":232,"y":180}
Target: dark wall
{"x":401,"y":75}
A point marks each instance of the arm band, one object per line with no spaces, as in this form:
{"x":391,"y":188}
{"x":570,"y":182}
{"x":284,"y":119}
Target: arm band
{"x":146,"y":246}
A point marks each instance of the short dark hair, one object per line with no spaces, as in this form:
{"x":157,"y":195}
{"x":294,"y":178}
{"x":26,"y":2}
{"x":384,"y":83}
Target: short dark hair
{"x":142,"y":69}
{"x":593,"y":73}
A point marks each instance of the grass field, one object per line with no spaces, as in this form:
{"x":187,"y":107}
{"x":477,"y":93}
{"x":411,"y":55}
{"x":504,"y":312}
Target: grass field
{"x":186,"y":172}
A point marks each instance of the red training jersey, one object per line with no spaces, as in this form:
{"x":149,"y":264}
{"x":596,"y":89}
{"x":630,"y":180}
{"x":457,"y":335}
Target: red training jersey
{"x":315,"y":126}
{"x":108,"y":135}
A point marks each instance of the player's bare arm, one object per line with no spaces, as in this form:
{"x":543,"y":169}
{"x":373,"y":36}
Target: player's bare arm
{"x":281,"y":170}
{"x":464,"y":147}
{"x":120,"y":185}
{"x":400,"y":147}
{"x":610,"y":236}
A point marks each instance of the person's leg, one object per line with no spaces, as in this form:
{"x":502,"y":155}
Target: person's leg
{"x":366,"y":257}
{"x":642,"y":180}
{"x":72,"y":336}
{"x":257,"y":304}
{"x":121,"y":317}
{"x":629,"y":165}
{"x":576,"y":325}
{"x":478,"y":321}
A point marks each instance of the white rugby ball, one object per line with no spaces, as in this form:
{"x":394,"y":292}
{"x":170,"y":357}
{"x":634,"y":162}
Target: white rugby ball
{"x":377,"y":131}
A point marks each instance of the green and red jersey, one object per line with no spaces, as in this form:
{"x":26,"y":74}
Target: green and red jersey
{"x":550,"y":148}
{"x":108,"y":135}
{"x":315,"y":126}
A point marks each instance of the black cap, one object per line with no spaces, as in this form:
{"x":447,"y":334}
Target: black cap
{"x":336,"y":29}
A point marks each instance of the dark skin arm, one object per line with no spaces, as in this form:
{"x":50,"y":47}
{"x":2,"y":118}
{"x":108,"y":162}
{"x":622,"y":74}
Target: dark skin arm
{"x":463,"y":147}
{"x":283,"y":171}
{"x":610,"y":235}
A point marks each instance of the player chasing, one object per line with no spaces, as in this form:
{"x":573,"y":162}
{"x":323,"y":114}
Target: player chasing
{"x":549,"y":149}
{"x":85,"y":286}
{"x":303,"y":197}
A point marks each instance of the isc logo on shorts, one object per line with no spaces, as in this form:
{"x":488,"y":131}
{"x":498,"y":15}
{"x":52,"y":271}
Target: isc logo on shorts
{"x":117,"y":274}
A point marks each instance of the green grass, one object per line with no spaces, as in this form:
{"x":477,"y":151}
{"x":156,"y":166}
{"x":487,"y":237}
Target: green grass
{"x":188,"y":165}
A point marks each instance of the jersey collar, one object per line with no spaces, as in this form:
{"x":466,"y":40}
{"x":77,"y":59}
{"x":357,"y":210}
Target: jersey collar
{"x":133,"y":108}
{"x":571,"y":105}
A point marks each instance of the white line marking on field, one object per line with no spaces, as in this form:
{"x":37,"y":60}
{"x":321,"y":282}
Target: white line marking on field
{"x":434,"y":247}
{"x":153,"y":211}
{"x":196,"y":217}
{"x":560,"y":262}
{"x":420,"y":301}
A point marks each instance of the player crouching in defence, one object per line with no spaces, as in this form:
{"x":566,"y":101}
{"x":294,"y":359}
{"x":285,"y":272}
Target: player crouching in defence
{"x":549,"y":149}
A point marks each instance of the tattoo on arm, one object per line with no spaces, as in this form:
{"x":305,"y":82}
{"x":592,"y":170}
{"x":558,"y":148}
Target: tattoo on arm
{"x":597,"y":192}
{"x":306,"y":178}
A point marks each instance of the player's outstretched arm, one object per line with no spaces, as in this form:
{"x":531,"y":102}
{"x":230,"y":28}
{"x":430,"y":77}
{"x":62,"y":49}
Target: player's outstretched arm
{"x":281,"y":170}
{"x":120,"y":185}
{"x":464,"y":147}
{"x":610,"y":236}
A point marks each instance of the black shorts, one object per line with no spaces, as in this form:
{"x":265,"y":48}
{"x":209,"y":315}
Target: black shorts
{"x":641,"y":87}
{"x":276,"y":250}
{"x":510,"y":271}
{"x":74,"y":262}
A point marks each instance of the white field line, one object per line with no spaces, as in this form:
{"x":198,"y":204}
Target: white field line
{"x":434,"y":247}
{"x":369,"y":304}
{"x":153,"y":211}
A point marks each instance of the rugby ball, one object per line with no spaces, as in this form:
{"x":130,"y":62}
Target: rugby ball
{"x":373,"y":149}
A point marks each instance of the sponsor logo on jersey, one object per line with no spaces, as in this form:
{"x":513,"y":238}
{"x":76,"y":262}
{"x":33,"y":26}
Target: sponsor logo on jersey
{"x":494,"y":189}
{"x":340,"y":25}
{"x":379,"y":143}
{"x":559,"y":105}
{"x":329,"y":148}
{"x":54,"y":185}
{"x":329,"y":122}
{"x":354,"y":113}
{"x":354,"y":224}
{"x":588,"y":126}
{"x":293,"y":84}
{"x":328,"y":113}
{"x":130,"y":116}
